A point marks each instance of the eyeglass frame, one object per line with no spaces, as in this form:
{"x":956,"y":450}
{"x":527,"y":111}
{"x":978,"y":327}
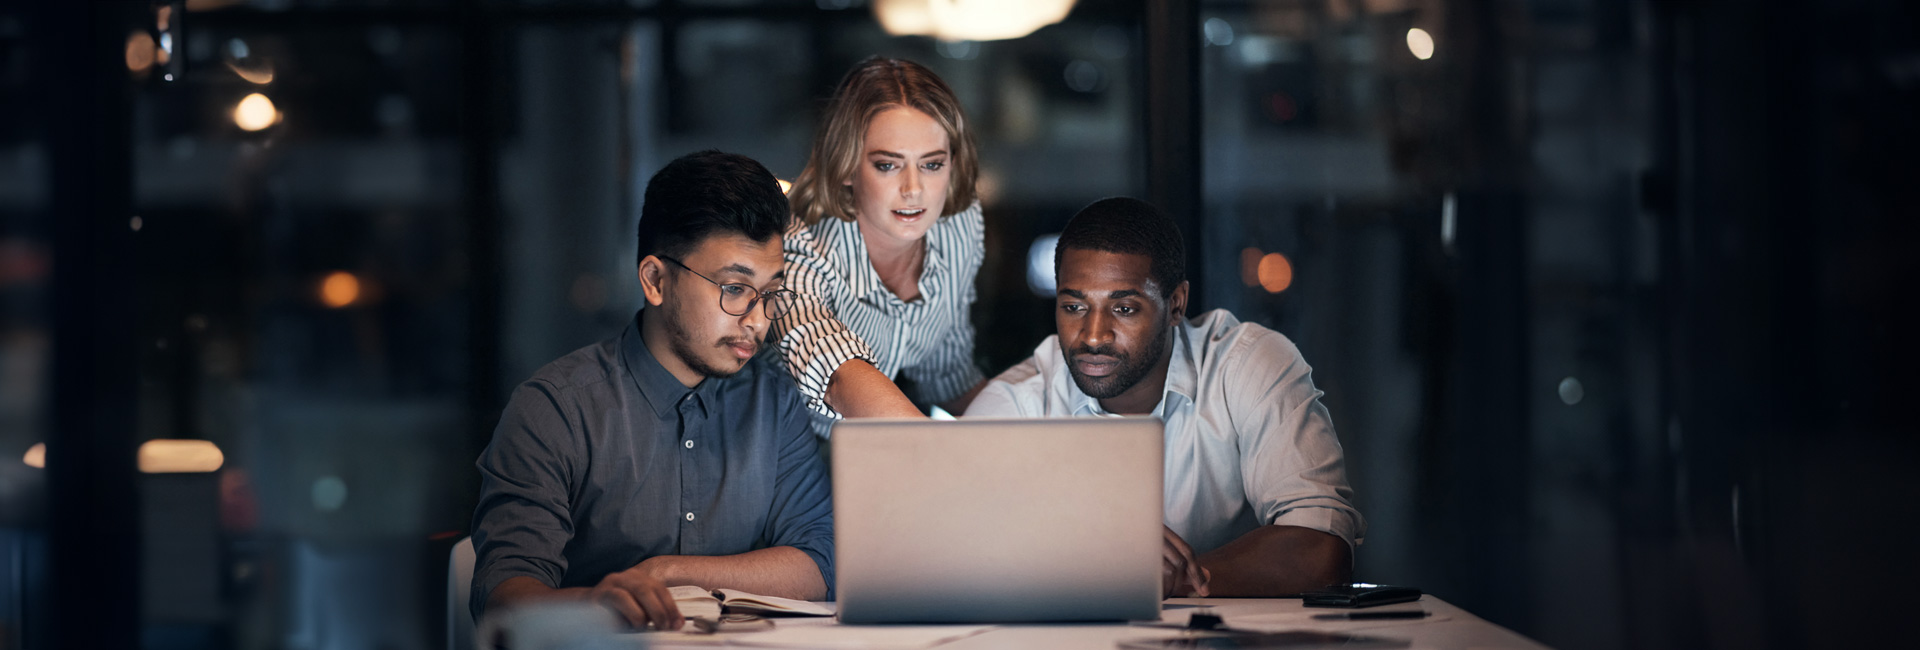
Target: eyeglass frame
{"x":760,"y":298}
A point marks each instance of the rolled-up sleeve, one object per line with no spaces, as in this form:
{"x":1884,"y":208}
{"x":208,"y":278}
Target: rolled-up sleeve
{"x":1292,"y":463}
{"x":1003,"y":396}
{"x":522,"y":524}
{"x":802,"y":511}
{"x":813,"y":342}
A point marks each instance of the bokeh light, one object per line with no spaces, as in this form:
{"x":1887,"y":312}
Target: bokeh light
{"x":167,"y":456}
{"x":339,"y":289}
{"x":255,"y":112}
{"x":1250,"y":266}
{"x":139,"y":51}
{"x":1276,"y":273}
{"x":1421,"y":43}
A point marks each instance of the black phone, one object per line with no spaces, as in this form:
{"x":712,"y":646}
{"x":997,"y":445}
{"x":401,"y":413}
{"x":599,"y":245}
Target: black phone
{"x":1359,"y":594}
{"x":1264,"y":641}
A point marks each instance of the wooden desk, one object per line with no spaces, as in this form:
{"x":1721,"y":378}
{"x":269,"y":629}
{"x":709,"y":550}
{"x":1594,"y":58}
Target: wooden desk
{"x":1448,"y":627}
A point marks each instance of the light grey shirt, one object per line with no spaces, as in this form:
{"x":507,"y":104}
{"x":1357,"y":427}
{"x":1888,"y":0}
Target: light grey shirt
{"x":1248,"y":442}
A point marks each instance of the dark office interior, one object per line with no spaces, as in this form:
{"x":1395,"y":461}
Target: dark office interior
{"x":1609,"y":298}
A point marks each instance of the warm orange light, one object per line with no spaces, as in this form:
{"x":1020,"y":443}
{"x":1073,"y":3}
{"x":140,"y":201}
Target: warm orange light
{"x":165,"y":456}
{"x":339,"y":289}
{"x":1250,"y":266}
{"x":785,"y":186}
{"x":139,"y":51}
{"x":255,"y":112}
{"x":259,"y":74}
{"x":1276,"y":273}
{"x":36,"y":456}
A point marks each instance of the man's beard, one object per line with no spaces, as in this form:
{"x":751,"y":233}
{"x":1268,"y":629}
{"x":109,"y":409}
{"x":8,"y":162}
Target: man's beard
{"x":683,"y":346}
{"x":1131,"y":371}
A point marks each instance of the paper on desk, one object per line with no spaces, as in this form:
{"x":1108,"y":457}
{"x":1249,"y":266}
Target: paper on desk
{"x":859,"y":637}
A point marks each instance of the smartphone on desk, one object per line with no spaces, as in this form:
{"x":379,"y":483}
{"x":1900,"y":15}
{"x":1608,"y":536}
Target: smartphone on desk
{"x":1359,"y":594}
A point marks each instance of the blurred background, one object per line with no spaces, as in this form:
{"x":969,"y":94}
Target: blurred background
{"x":1605,"y":295}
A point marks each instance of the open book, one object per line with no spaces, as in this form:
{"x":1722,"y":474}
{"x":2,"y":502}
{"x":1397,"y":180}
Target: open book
{"x":697,"y":602}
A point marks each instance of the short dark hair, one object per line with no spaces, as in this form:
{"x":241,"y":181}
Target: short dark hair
{"x":1128,"y":227}
{"x":709,"y":193}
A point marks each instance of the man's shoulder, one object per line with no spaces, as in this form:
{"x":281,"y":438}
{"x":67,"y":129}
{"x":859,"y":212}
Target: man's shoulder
{"x":590,"y":366}
{"x":1217,"y":339}
{"x":1022,"y":390}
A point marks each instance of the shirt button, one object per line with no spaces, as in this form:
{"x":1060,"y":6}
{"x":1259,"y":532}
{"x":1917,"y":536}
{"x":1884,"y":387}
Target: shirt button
{"x":689,"y":516}
{"x":689,"y":444}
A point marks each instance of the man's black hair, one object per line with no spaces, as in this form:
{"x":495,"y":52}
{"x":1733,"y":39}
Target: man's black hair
{"x":709,"y":193}
{"x":1128,"y":227}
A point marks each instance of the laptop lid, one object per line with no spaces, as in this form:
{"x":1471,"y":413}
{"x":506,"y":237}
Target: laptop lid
{"x":982,"y":520}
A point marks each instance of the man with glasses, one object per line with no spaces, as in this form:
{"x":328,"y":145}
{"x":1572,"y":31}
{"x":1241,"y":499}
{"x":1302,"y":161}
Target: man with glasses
{"x":675,"y":453}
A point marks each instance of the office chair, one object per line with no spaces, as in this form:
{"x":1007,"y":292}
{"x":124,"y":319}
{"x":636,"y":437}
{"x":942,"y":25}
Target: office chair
{"x":459,"y":584}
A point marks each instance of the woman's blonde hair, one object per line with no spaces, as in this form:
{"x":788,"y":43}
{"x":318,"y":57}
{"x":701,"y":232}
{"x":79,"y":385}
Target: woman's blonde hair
{"x":870,"y":88}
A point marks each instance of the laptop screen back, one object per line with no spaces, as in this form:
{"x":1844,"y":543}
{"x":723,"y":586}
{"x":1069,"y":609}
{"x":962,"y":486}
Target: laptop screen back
{"x":997,"y":520}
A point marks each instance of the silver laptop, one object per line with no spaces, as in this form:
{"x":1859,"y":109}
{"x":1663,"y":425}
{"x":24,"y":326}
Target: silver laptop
{"x":993,"y":521}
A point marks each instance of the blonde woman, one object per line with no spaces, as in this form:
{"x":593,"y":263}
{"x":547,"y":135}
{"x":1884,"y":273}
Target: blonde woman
{"x":884,"y":250}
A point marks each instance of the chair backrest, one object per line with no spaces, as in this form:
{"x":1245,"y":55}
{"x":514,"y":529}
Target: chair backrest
{"x":459,"y":585}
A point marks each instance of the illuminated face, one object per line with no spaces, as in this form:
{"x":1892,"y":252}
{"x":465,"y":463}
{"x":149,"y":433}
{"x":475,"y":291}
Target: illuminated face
{"x":701,"y":333}
{"x":900,"y":185}
{"x":1115,"y":327}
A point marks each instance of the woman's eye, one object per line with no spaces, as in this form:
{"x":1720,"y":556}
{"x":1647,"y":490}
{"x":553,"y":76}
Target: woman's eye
{"x":883,"y":166}
{"x":935,"y":165}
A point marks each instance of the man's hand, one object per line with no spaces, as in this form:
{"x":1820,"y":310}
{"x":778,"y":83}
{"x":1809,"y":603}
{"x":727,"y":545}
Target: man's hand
{"x":639,"y":596}
{"x":1180,"y":573}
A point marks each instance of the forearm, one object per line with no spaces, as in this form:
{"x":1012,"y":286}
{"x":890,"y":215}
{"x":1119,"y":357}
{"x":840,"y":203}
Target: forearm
{"x":858,"y":390}
{"x":522,"y":589}
{"x":782,"y":571}
{"x":958,"y":405}
{"x":1276,"y":560}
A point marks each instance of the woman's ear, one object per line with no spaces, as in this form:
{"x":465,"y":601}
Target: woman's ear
{"x":653,"y":280}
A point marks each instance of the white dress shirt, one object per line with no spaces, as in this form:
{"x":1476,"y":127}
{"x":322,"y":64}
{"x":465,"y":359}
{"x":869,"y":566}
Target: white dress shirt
{"x":1248,"y":442}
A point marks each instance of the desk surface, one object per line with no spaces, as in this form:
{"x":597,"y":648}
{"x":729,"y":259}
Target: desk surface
{"x":1447,"y":626}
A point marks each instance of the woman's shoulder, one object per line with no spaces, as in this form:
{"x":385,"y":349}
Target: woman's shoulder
{"x":816,"y":239}
{"x":967,"y":228}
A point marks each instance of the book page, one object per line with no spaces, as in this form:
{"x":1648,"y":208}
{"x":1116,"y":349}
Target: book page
{"x":736,"y":599}
{"x":695,"y":602}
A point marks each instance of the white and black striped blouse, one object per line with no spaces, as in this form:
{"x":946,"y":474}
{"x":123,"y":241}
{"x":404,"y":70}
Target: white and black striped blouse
{"x":843,"y":311}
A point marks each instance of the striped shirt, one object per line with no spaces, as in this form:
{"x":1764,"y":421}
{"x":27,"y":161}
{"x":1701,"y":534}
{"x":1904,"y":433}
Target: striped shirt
{"x":842,"y":311}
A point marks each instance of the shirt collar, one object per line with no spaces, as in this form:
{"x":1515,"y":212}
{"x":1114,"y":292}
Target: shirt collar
{"x":663,"y":392}
{"x":1182,"y":376}
{"x":865,"y":282}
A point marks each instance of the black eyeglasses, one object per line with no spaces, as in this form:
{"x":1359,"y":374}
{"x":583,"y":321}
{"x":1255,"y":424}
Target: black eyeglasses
{"x":738,"y":299}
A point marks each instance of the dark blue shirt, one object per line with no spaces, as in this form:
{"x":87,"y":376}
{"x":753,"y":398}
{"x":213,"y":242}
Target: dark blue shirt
{"x":604,"y":459}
